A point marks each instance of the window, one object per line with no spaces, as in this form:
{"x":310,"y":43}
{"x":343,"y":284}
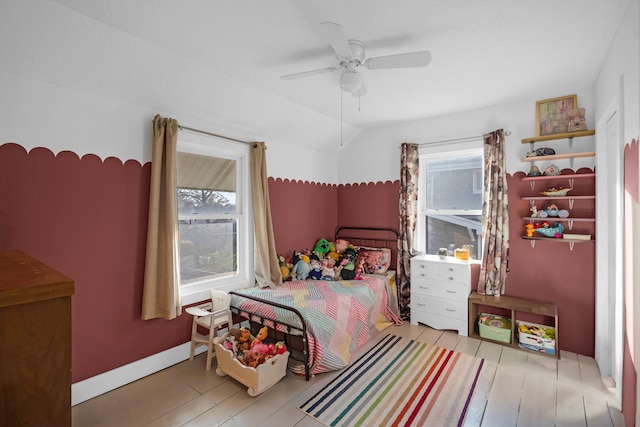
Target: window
{"x":216,"y":240}
{"x":451,"y":198}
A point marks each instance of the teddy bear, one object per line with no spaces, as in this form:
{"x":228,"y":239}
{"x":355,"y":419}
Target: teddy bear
{"x":242,"y":337}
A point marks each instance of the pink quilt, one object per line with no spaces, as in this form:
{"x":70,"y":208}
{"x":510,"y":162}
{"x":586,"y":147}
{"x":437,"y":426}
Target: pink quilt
{"x":341,"y":316}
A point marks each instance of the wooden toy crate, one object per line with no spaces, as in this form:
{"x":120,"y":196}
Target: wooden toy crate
{"x":256,"y":379}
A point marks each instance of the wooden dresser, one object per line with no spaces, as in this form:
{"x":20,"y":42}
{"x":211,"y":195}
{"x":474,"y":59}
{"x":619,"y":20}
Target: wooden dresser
{"x":439,"y":291}
{"x":35,"y":342}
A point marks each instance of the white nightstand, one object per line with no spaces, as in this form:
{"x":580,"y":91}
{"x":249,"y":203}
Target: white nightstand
{"x":440,"y":289}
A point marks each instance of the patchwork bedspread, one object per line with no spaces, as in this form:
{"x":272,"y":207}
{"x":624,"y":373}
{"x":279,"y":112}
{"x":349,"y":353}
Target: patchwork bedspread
{"x":340,"y":316}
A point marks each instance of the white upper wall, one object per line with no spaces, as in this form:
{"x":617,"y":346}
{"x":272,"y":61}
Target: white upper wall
{"x":72,"y":83}
{"x":375,"y":154}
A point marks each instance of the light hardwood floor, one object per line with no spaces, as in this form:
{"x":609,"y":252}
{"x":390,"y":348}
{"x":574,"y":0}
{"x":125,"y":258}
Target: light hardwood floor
{"x":527,"y":389}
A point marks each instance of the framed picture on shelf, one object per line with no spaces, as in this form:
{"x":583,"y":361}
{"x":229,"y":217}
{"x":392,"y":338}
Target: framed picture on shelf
{"x":552,"y":114}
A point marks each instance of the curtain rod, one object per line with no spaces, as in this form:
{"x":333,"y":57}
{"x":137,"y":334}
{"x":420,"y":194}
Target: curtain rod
{"x":467,"y":138}
{"x":212,"y":134}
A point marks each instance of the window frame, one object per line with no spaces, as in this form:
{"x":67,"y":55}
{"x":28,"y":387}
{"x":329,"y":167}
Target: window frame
{"x":441,"y":149}
{"x":218,"y":147}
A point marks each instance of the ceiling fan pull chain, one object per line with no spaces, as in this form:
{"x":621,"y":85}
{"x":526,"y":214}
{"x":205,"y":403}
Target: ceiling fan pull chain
{"x":341,"y":112}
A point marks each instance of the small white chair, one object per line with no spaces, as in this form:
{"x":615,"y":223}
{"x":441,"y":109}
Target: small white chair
{"x":213,"y":316}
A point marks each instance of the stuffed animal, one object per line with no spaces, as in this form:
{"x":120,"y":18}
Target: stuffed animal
{"x":348,"y":271}
{"x":301,"y":268}
{"x":279,"y":348}
{"x":359,"y":270}
{"x":242,"y":337}
{"x":316,"y":268}
{"x":328,"y":268}
{"x":285,"y":270}
{"x":322,"y":247}
{"x":341,"y":245}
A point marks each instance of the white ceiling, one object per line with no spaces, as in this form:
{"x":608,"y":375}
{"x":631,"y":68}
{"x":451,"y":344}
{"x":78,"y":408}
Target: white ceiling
{"x":484,"y":52}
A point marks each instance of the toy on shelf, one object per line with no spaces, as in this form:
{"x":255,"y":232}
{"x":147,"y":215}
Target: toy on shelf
{"x":556,"y":192}
{"x":548,"y":231}
{"x":530,"y":229}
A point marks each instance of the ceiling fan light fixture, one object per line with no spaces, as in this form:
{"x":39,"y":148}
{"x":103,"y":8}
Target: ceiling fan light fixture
{"x":351,"y":80}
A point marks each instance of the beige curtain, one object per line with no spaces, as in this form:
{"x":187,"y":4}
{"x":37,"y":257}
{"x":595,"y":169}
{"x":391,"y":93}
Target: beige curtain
{"x":267,"y":267}
{"x":495,"y":217}
{"x":161,"y":293}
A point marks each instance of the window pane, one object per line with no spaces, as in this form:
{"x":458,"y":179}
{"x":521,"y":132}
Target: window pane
{"x":445,"y":230}
{"x":453,"y":201}
{"x":208,"y":249}
{"x":208,"y":217}
{"x":205,"y":202}
{"x":450,"y":182}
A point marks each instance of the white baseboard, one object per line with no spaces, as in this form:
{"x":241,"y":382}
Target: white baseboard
{"x":107,"y":381}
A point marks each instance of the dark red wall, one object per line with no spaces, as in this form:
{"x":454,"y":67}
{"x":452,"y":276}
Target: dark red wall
{"x":550,"y":271}
{"x":302,"y":213}
{"x":87,"y":219}
{"x":369,"y":205}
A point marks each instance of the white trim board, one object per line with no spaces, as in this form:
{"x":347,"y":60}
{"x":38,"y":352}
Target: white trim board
{"x":110,"y":380}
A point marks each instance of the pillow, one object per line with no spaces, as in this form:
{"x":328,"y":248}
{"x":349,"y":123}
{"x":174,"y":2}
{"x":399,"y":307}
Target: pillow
{"x":376,"y":260}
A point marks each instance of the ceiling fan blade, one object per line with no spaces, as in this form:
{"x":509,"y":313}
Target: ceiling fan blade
{"x":308,"y":73}
{"x":334,"y":34}
{"x":401,"y":60}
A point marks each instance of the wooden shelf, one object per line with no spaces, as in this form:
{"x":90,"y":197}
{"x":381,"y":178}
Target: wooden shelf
{"x":515,"y":305}
{"x":553,"y":239}
{"x":559,"y":156}
{"x":566,"y":176}
{"x":556,"y":219}
{"x":564,"y":135}
{"x":558,"y":197}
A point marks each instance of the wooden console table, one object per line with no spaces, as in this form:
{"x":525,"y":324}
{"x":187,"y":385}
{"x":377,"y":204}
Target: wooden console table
{"x":515,"y":305}
{"x":35,"y":332}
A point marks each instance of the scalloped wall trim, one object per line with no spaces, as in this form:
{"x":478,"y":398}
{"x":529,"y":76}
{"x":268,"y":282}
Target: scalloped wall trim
{"x":66,"y":154}
{"x":363,"y":184}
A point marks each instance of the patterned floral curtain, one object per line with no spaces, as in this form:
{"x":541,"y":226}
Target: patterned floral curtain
{"x":408,"y":217}
{"x":495,"y":217}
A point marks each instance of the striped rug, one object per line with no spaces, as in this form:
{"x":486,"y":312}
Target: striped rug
{"x":401,"y":382}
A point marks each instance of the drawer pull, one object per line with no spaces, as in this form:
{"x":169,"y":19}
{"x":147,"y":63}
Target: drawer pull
{"x":451,"y":309}
{"x":451,"y":278}
{"x":421,"y":304}
{"x":451,"y":292}
{"x":423,"y":287}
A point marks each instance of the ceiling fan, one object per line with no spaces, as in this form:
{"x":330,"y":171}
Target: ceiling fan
{"x":351,"y":57}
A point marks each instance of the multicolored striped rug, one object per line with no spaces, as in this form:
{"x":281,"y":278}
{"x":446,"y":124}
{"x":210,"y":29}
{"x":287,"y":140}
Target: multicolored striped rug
{"x":401,"y":382}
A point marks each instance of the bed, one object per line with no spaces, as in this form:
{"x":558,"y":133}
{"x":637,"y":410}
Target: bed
{"x":324,"y":322}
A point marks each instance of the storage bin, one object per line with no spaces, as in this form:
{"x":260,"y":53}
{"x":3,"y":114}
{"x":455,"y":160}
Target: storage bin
{"x":537,"y":337}
{"x":495,"y":327}
{"x":257,"y":379}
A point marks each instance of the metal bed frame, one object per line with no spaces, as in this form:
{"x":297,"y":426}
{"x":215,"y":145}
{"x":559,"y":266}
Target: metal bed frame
{"x":295,"y":336}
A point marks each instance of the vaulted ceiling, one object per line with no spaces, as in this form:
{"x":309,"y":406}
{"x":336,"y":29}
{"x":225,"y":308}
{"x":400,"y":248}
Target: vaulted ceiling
{"x":484,"y":52}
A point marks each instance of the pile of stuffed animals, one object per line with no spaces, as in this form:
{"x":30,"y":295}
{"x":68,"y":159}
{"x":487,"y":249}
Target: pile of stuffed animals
{"x":327,"y":261}
{"x":252,"y":351}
